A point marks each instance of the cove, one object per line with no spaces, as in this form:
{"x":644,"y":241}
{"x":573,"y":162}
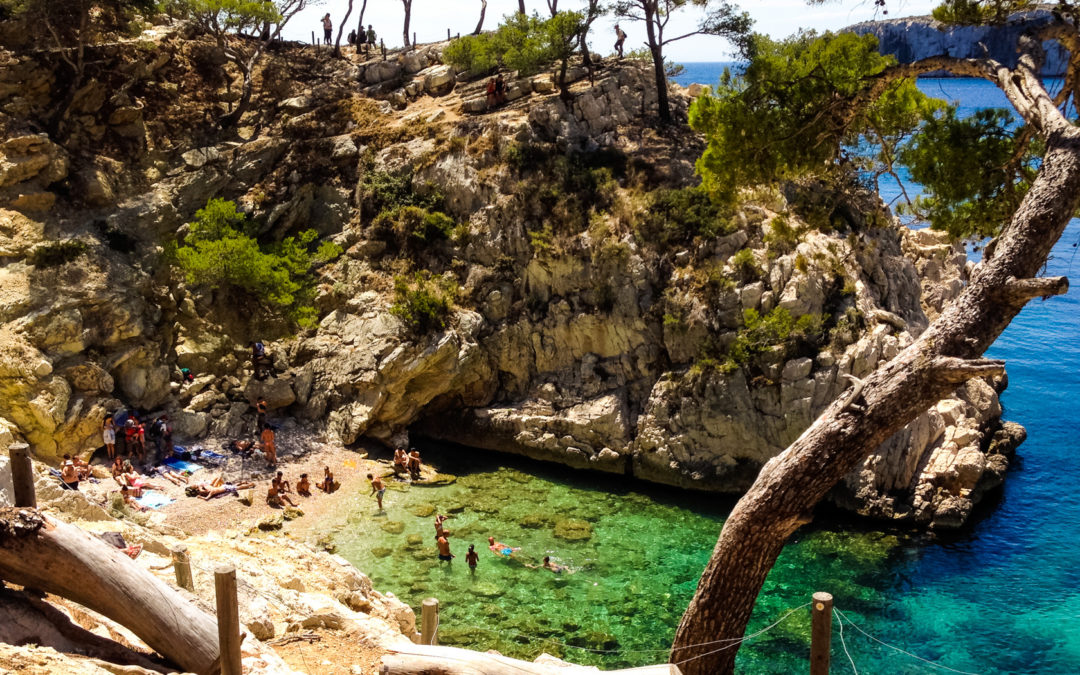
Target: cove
{"x":636,"y":552}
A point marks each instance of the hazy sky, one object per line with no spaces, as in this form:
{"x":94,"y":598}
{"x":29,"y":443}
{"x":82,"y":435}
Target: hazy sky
{"x":431,"y":18}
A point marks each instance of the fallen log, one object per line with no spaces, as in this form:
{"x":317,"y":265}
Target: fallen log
{"x":52,"y":556}
{"x":433,"y":660}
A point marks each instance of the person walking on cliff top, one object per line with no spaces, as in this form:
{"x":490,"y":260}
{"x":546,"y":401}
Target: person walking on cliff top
{"x":370,"y":39}
{"x":328,"y":28}
{"x":620,"y":38}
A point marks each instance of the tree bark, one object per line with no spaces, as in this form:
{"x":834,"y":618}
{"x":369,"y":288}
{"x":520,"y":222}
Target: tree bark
{"x":408,"y":17}
{"x":944,"y":356}
{"x":361,"y":35}
{"x":480,"y":23}
{"x":657,"y":52}
{"x":61,"y":559}
{"x":521,"y":6}
{"x":341,"y":29}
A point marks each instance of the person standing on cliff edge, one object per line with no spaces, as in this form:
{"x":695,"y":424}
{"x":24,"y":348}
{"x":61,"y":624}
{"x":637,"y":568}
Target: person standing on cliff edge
{"x":620,"y":38}
{"x":328,"y":28}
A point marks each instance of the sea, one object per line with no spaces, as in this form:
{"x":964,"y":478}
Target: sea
{"x":1001,"y":596}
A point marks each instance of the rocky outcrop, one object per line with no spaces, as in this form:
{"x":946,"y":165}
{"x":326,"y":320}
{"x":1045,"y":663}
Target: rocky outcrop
{"x":920,"y":37}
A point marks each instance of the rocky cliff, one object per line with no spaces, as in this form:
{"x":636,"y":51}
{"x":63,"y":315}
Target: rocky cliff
{"x":604,"y":315}
{"x":919,"y":37}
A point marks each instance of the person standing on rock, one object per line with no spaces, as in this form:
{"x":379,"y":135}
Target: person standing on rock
{"x":260,"y":361}
{"x":260,"y":413}
{"x":328,"y":29}
{"x":269,"y":446}
{"x":377,"y":488}
{"x":620,"y":38}
{"x":370,"y":39}
{"x":108,"y":434}
{"x":444,"y":549}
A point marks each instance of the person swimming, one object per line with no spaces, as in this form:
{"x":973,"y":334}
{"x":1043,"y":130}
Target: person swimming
{"x":499,"y":548}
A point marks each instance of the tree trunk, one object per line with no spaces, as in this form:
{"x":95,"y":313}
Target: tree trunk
{"x":408,"y":17}
{"x":521,"y":6}
{"x":61,"y":559}
{"x":361,"y":36}
{"x":233,"y":118}
{"x":943,"y":357}
{"x":553,"y":7}
{"x":655,"y":48}
{"x":341,"y":29}
{"x":480,"y":23}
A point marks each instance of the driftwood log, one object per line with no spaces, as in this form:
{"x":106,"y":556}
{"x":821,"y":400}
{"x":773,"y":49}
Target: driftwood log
{"x":52,"y":556}
{"x":433,"y":660}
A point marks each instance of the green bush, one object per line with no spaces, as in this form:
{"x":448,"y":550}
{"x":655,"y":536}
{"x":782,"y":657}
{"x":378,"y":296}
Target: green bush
{"x":522,"y":42}
{"x":413,"y":227}
{"x":424,"y":303}
{"x":777,"y":328}
{"x":56,"y":253}
{"x":678,"y":216}
{"x":473,"y":53}
{"x":782,"y":237}
{"x":219,"y":253}
{"x":384,"y":191}
{"x":745,"y":265}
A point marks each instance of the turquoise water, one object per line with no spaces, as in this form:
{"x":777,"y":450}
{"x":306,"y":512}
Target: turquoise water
{"x":1001,"y":597}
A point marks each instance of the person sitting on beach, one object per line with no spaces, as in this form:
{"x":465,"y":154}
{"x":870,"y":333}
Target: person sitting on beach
{"x":401,"y":462}
{"x":499,"y":548}
{"x":444,"y":549}
{"x":268,"y":445}
{"x":118,"y":469}
{"x":69,"y":475}
{"x":244,"y":447}
{"x":303,"y":486}
{"x":276,"y":498}
{"x":415,"y":465}
{"x":280,"y":483}
{"x":327,"y":484}
{"x":81,"y":468}
{"x":209,"y":491}
{"x":377,"y":488}
{"x":137,"y":482}
{"x":129,"y":500}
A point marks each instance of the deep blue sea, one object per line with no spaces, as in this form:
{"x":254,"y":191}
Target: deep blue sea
{"x":1003,"y":596}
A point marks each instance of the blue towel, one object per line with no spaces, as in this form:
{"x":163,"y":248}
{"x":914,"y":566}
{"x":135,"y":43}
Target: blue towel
{"x":153,"y":500}
{"x":181,"y":465}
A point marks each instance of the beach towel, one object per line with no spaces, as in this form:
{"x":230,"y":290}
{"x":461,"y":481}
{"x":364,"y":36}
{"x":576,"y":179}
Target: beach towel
{"x":153,"y":500}
{"x":181,"y":465}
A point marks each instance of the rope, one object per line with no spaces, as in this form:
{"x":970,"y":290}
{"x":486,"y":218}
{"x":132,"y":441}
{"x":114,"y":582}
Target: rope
{"x":914,"y":656}
{"x":843,"y":643}
{"x":738,"y":641}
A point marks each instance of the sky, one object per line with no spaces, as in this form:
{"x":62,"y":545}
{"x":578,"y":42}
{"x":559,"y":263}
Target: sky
{"x":431,"y":18}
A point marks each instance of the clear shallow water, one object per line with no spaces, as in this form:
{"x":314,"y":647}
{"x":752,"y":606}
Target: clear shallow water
{"x":1001,"y":597}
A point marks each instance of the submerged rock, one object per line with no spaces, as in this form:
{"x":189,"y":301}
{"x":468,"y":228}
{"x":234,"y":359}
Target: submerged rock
{"x":422,"y":510}
{"x":393,"y":527}
{"x":573,"y":530}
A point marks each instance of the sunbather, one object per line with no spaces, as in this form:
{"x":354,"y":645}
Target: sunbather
{"x":174,"y":477}
{"x":208,"y":492}
{"x":129,"y":499}
{"x":276,"y":498}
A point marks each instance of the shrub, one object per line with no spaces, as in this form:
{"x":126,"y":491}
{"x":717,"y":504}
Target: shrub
{"x":383,"y":191}
{"x":745,"y":265}
{"x":56,"y":253}
{"x":781,"y":237}
{"x":473,"y":53}
{"x":424,"y":303}
{"x":678,"y":216}
{"x":777,"y":328}
{"x":218,"y":253}
{"x":411,"y":227}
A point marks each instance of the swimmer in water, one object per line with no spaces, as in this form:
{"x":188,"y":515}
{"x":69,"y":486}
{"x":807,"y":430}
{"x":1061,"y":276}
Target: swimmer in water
{"x":548,"y":565}
{"x":499,"y":548}
{"x":472,"y":558}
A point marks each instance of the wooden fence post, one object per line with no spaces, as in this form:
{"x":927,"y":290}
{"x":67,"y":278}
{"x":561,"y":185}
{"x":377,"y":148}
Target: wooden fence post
{"x":316,"y":44}
{"x":382,"y":46}
{"x":821,"y":633}
{"x":414,"y":40}
{"x":182,"y":566}
{"x":228,"y":618}
{"x":22,"y":475}
{"x":429,"y":621}
{"x":448,"y":34}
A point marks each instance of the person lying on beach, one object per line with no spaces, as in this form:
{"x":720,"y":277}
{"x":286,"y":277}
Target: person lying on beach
{"x":129,"y":499}
{"x":208,"y":492}
{"x":275,"y":498}
{"x":174,"y":477}
{"x":137,"y":482}
{"x":303,"y":486}
{"x":499,"y":548}
{"x":244,"y":447}
{"x":327,"y":484}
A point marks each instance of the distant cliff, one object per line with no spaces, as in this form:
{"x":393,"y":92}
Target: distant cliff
{"x":917,"y":37}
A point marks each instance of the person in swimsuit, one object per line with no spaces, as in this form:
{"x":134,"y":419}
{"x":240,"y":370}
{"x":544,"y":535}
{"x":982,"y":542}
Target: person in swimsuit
{"x":276,"y":498}
{"x":377,"y":488}
{"x":280,"y":483}
{"x":69,"y":474}
{"x":130,"y":500}
{"x":303,"y":486}
{"x":472,"y":558}
{"x":401,"y":461}
{"x":439,"y":531}
{"x":415,"y":465}
{"x":268,"y":444}
{"x":108,"y":434}
{"x":327,"y":484}
{"x":444,"y":549}
{"x":499,"y":548}
{"x":208,"y":492}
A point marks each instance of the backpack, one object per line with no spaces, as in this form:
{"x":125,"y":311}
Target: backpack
{"x":259,"y":349}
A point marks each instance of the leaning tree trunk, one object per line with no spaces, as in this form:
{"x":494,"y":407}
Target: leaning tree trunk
{"x":521,"y":6}
{"x":408,"y":17}
{"x":341,"y":28}
{"x":480,"y":23}
{"x":52,"y":556}
{"x":944,"y":356}
{"x":655,"y":48}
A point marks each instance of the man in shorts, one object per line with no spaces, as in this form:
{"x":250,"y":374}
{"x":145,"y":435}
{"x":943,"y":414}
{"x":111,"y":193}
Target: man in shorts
{"x":444,"y":549}
{"x":377,"y":488}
